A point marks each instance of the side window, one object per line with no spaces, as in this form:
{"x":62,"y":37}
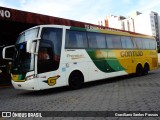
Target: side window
{"x":149,"y":44}
{"x":153,"y":44}
{"x":96,"y":40}
{"x":49,"y":50}
{"x":146,"y":43}
{"x":45,"y":52}
{"x":113,"y":41}
{"x":55,"y":36}
{"x":127,"y":42}
{"x":139,"y":42}
{"x":45,"y":57}
{"x":109,"y":41}
{"x":76,"y":39}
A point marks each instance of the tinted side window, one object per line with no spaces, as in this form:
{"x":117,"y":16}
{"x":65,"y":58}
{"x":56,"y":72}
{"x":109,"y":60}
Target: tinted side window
{"x":149,"y":43}
{"x":153,"y":44}
{"x":139,"y":43}
{"x":49,"y":50}
{"x":113,"y":41}
{"x":146,"y":43}
{"x":96,"y":40}
{"x":76,"y":39}
{"x":55,"y":36}
{"x":127,"y":42}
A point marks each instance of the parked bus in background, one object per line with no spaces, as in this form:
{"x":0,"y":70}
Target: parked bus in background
{"x":49,"y":56}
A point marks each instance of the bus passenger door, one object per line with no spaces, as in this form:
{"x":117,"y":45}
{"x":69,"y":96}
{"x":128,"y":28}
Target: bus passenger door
{"x":49,"y":69}
{"x":50,"y":73}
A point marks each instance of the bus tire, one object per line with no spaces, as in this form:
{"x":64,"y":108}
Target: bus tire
{"x":139,"y":70}
{"x":146,"y":69}
{"x":76,"y":80}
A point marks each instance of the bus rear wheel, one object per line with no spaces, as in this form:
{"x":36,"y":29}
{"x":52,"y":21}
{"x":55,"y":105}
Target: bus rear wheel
{"x":139,"y":70}
{"x":145,"y":69}
{"x":76,"y":80}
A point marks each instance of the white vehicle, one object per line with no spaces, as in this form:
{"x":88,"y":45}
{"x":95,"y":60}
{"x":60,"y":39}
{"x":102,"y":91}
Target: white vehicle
{"x":49,"y":56}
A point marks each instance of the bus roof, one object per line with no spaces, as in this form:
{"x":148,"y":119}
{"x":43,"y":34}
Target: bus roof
{"x":112,"y":31}
{"x":99,"y":29}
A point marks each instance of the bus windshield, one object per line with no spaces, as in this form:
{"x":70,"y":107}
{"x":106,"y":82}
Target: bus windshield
{"x":28,"y":35}
{"x":23,"y":61}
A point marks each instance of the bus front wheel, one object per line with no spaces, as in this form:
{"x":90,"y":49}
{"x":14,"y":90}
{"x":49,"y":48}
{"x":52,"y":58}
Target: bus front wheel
{"x":76,"y":80}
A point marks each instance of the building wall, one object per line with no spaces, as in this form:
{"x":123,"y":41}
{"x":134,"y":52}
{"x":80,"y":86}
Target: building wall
{"x":126,"y":26}
{"x":115,"y":22}
{"x":129,"y":24}
{"x":154,"y":16}
{"x":142,"y":24}
{"x":145,"y":23}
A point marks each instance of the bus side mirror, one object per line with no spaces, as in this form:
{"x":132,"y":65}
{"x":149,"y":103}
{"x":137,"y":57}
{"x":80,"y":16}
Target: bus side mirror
{"x":8,"y":52}
{"x":31,"y":46}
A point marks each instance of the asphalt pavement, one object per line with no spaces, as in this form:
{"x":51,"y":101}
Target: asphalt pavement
{"x":121,"y":94}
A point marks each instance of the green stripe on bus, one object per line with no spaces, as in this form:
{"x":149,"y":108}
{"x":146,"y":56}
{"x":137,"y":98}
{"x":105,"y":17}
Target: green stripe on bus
{"x":103,"y":63}
{"x":78,"y":29}
{"x":116,"y":66}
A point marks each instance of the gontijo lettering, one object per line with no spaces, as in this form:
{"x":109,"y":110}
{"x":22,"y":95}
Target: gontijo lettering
{"x":131,"y":53}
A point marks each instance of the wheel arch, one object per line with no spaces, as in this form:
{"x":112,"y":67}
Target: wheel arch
{"x":139,"y":69}
{"x":146,"y":63}
{"x":139,"y":64}
{"x":74,"y":71}
{"x":75,"y":79}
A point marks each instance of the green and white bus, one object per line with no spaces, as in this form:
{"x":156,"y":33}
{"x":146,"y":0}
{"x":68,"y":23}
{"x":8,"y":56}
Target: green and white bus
{"x":49,"y":56}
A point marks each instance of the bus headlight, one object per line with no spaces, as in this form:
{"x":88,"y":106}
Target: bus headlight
{"x":30,"y":77}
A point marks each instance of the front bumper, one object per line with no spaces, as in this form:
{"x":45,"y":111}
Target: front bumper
{"x":26,"y":85}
